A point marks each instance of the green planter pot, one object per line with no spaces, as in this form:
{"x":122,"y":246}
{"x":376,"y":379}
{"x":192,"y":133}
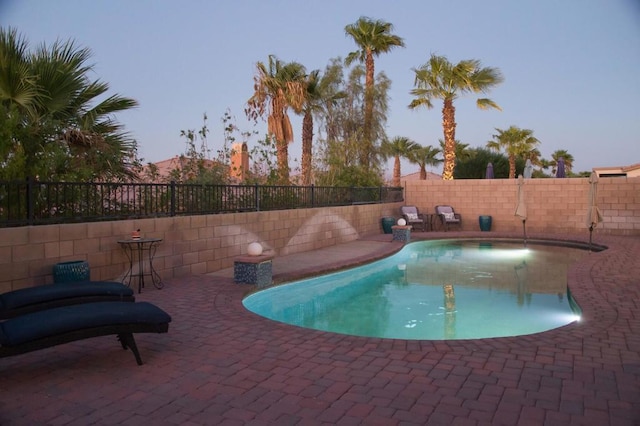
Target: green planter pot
{"x":485,"y":223}
{"x":387,"y":223}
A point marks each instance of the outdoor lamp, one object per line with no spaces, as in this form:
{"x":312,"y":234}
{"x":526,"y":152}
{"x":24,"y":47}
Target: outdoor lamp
{"x":402,"y":222}
{"x":254,"y":249}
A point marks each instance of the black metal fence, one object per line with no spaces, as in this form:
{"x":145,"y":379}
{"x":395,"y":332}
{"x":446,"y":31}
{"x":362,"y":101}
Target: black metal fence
{"x":30,"y":202}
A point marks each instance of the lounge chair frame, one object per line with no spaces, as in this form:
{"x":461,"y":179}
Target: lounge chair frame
{"x":124,"y":334}
{"x":131,"y":318}
{"x":446,"y":223}
{"x":422,"y":220}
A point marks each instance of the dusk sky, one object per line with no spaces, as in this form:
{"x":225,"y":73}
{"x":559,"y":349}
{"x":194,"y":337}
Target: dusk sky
{"x":571,"y":67}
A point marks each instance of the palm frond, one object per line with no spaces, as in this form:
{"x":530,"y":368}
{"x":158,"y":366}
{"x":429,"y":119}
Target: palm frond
{"x":484,"y":103}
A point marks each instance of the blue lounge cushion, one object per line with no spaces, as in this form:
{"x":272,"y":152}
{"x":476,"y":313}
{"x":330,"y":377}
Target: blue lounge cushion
{"x":43,"y":293}
{"x":65,"y":319}
{"x":31,"y":299}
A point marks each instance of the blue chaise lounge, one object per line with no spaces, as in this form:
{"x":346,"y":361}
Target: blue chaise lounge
{"x":32,"y":299}
{"x":55,"y":326}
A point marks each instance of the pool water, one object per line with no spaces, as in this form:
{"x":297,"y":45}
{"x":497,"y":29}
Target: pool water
{"x":433,"y":290}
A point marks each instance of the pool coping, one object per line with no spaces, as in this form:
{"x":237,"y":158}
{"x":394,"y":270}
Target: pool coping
{"x":595,"y":317}
{"x":288,"y":279}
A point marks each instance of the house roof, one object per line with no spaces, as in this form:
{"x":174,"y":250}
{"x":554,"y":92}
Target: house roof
{"x":633,"y":169}
{"x":165,"y":167}
{"x":416,"y":176}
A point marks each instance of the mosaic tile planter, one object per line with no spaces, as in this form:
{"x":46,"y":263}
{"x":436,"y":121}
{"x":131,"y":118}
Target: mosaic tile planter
{"x":401,"y":233}
{"x":76,"y":270}
{"x":256,"y":270}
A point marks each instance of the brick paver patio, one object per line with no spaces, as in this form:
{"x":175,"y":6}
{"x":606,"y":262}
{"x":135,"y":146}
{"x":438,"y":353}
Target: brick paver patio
{"x":220,"y":364}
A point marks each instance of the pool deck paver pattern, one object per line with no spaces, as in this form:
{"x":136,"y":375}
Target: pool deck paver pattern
{"x":222,"y":365}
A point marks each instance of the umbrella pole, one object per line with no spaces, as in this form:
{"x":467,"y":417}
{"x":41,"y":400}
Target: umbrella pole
{"x":590,"y":236}
{"x":524,"y":231}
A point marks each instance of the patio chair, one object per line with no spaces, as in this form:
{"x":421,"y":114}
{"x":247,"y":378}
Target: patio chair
{"x":38,"y":298}
{"x":448,"y":216}
{"x":414,"y":217}
{"x":51,"y":327}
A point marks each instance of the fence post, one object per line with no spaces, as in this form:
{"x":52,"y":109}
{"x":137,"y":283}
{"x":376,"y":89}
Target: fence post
{"x":29,"y":200}
{"x":172,"y":207}
{"x":313,"y":195}
{"x":257,"y":197}
{"x":380,"y":196}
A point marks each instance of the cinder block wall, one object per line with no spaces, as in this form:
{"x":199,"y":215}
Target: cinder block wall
{"x":553,"y":205}
{"x":191,"y":244}
{"x":203,"y":244}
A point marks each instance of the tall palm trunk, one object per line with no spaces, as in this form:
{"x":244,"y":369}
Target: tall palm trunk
{"x":449,"y":127}
{"x":512,"y":166}
{"x":307,"y":144}
{"x":368,"y":111}
{"x":396,"y":171}
{"x":278,"y":125}
{"x":423,"y":172}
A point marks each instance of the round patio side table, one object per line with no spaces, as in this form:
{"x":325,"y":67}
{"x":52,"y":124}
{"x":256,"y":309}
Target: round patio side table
{"x":135,"y":249}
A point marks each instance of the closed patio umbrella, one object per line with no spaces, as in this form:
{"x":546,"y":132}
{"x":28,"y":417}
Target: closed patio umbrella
{"x":528,"y":169}
{"x":489,"y":173}
{"x":594,"y":217}
{"x":560,"y":172}
{"x":521,"y":207}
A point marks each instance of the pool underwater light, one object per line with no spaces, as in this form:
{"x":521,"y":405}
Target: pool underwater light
{"x":509,"y":254}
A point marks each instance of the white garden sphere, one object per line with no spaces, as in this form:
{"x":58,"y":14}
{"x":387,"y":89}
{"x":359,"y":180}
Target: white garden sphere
{"x":402,"y":222}
{"x":254,"y":249}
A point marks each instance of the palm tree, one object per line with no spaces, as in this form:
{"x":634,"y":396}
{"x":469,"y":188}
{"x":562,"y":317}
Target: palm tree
{"x":373,"y":38}
{"x":397,"y":147}
{"x":424,"y":156}
{"x":319,"y":95}
{"x":545,"y":164}
{"x":516,"y":142}
{"x":568,"y":160}
{"x":17,"y":81}
{"x":91,"y":134}
{"x":535,"y":156}
{"x":278,"y":86}
{"x":440,"y":79}
{"x":64,"y":129}
{"x":310,"y":104}
{"x":461,"y":149}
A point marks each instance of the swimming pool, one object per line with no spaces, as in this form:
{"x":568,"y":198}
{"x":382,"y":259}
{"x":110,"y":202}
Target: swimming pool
{"x":434,"y":290}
